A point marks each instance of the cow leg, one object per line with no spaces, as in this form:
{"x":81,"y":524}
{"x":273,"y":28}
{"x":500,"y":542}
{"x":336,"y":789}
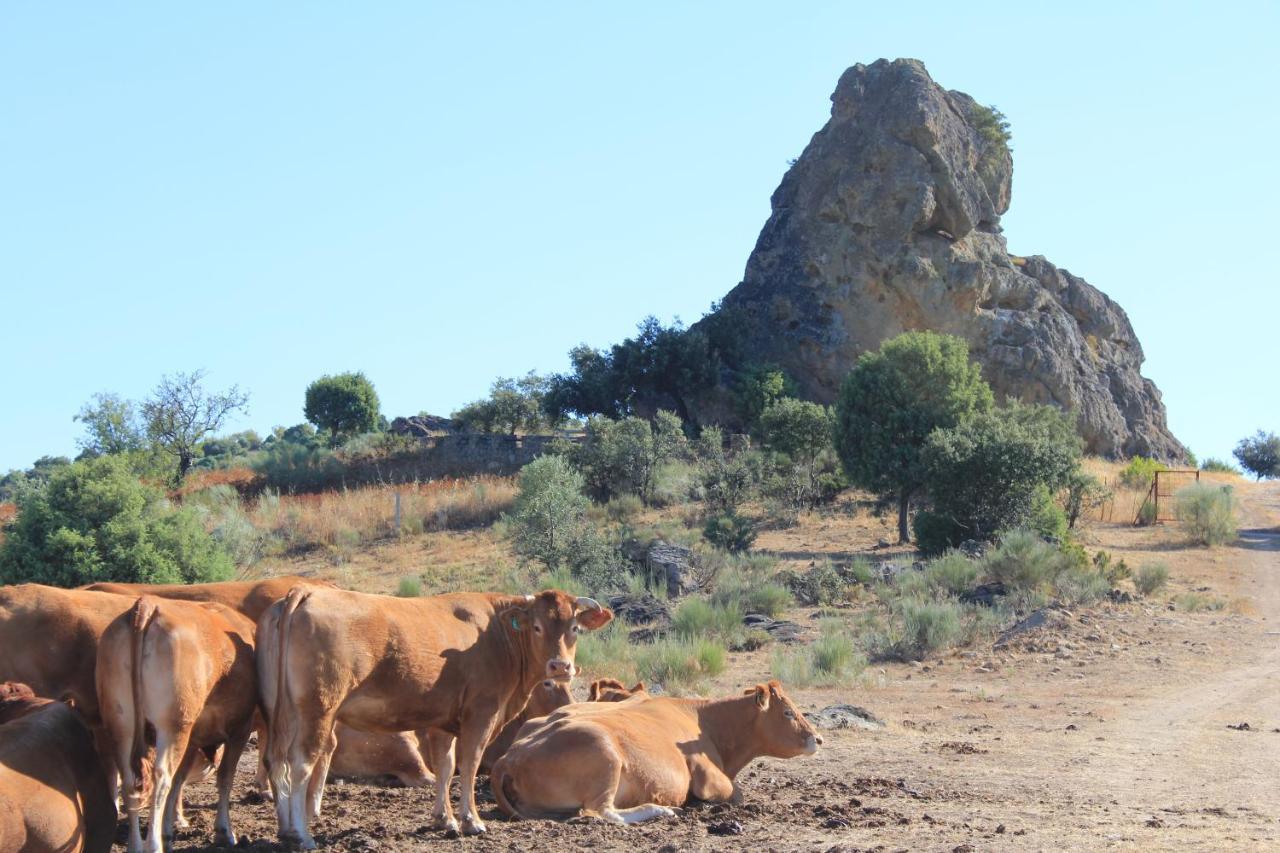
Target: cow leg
{"x":708,"y":782}
{"x":311,"y":751}
{"x":222,"y":832}
{"x":169,"y":748}
{"x":262,"y":779}
{"x":320,"y":773}
{"x":131,"y":788}
{"x":441,"y":745}
{"x":637,"y":814}
{"x":473,"y":737}
{"x":173,"y":816}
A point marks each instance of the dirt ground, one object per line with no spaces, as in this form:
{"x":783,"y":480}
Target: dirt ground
{"x":1123,"y":726}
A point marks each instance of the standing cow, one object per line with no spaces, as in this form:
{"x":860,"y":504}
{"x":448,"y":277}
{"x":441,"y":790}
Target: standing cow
{"x":182,"y":672}
{"x":53,"y":791}
{"x":463,"y":664}
{"x":251,"y":598}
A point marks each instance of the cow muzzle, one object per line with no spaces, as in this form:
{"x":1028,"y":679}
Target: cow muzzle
{"x":811,"y":746}
{"x":560,"y":670}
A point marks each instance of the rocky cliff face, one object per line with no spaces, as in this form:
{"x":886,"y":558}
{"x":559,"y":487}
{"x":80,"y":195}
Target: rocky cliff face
{"x":890,"y":221}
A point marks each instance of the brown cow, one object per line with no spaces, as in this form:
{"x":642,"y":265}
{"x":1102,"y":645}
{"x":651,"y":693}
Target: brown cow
{"x":633,"y":760}
{"x":53,"y":791}
{"x":183,"y":672}
{"x":251,"y":598}
{"x":463,"y":663}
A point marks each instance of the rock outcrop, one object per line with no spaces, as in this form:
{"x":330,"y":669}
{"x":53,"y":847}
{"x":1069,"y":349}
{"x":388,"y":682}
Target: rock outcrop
{"x":890,"y":221}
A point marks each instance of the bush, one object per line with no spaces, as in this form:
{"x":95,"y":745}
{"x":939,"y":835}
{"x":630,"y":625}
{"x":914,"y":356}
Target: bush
{"x":290,"y":467}
{"x":1217,"y":466}
{"x":748,"y":585}
{"x":832,"y":659}
{"x":952,"y":573}
{"x":728,"y":477}
{"x":1207,"y":512}
{"x":679,"y":664}
{"x":1260,"y":454}
{"x":409,"y":587}
{"x":548,"y":522}
{"x":1147,"y":513}
{"x":623,"y":508}
{"x":1113,"y":570}
{"x":733,"y":533}
{"x":997,"y":471}
{"x":1024,"y":562}
{"x":94,"y":521}
{"x":1151,"y":578}
{"x":920,"y":628}
{"x":1140,"y":473}
{"x":620,"y":457}
{"x":697,"y":617}
{"x":936,"y":533}
{"x":342,"y":405}
{"x":513,"y":405}
{"x":1083,"y":493}
{"x":1081,"y":586}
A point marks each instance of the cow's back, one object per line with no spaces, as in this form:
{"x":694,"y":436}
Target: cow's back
{"x":251,"y":598}
{"x":50,"y":637}
{"x":54,"y":783}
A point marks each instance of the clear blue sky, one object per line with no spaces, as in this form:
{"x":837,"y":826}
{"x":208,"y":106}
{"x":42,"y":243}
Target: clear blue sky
{"x":438,"y":194}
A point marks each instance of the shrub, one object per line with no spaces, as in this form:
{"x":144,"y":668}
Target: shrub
{"x":342,"y":405}
{"x":619,"y":457}
{"x":748,"y":585}
{"x":623,"y":508}
{"x":1259,"y":454}
{"x":290,"y":467}
{"x":1113,"y":570}
{"x":1194,"y":602}
{"x":548,"y":522}
{"x":953,"y":573}
{"x":1141,"y":472}
{"x":1207,"y":512}
{"x":832,"y":659}
{"x":697,"y":617}
{"x":1024,"y":561}
{"x":409,"y":587}
{"x":1080,"y":586}
{"x":892,"y":400}
{"x":936,"y":533}
{"x":728,"y":477}
{"x":1147,"y":513}
{"x":1151,"y":578}
{"x":513,"y":405}
{"x":733,"y":533}
{"x":822,"y":584}
{"x":1217,"y":466}
{"x":1083,"y":493}
{"x":921,"y":628}
{"x":679,"y":664}
{"x":94,"y":521}
{"x":997,"y":470}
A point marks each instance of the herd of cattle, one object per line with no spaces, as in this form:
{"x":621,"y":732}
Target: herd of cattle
{"x":124,"y":692}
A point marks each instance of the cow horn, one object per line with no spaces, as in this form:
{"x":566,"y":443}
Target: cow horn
{"x":588,"y":603}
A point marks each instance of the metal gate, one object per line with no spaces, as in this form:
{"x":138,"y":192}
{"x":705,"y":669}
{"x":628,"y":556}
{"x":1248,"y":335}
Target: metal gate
{"x":1158,"y":506}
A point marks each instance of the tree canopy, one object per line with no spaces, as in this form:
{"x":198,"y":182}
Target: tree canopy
{"x":343,"y":405}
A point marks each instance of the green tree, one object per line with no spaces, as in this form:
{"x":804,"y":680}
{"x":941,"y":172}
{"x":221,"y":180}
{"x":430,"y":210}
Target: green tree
{"x":94,"y":521}
{"x":621,"y":457}
{"x":799,"y":432}
{"x":513,"y":405}
{"x":892,"y":400}
{"x":994,"y":472}
{"x":180,"y":413}
{"x":757,"y":389}
{"x":1259,"y":454}
{"x":549,"y":520}
{"x":112,"y":425}
{"x":343,"y":405}
{"x":728,"y":477}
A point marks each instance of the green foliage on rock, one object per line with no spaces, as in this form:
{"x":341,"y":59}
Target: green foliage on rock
{"x":996,"y":471}
{"x":890,"y":403}
{"x":342,"y":405}
{"x":94,"y":521}
{"x":1259,"y":454}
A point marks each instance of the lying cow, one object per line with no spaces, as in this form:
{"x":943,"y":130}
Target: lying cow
{"x":464,"y":664}
{"x":53,"y":791}
{"x":179,"y":675}
{"x":635,"y":759}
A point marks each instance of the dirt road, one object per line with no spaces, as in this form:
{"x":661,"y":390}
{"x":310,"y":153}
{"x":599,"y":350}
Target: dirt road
{"x":1126,"y":726}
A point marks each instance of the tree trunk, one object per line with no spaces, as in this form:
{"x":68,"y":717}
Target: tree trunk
{"x":904,"y":506}
{"x":184,"y":465}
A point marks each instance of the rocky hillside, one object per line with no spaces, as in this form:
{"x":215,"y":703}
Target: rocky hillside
{"x":890,"y":221}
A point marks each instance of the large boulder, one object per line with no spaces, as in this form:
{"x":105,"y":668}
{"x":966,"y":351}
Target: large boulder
{"x":889,"y":221}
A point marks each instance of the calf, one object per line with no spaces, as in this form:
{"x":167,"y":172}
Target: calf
{"x":463,"y":663}
{"x":53,"y":791}
{"x":633,"y":760}
{"x":178,"y":674}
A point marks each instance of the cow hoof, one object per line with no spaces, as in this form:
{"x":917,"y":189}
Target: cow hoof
{"x":181,"y":822}
{"x":224,"y":839}
{"x":296,"y":841}
{"x":474,"y":826}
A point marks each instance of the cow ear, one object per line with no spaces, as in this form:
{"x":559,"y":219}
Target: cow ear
{"x":594,"y":619}
{"x":515,"y":618}
{"x":639,"y":687}
{"x":762,"y":697}
{"x":594,"y":693}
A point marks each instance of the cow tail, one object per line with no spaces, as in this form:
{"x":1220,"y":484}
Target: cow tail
{"x":282,"y":723}
{"x":141,"y":616}
{"x":503,"y":788}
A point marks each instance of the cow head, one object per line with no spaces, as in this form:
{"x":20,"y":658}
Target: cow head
{"x":781,"y":730}
{"x":550,"y":623}
{"x":547,"y":697}
{"x":613,"y":690}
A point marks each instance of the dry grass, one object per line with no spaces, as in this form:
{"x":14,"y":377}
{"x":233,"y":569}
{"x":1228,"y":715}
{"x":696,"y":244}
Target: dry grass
{"x":1125,"y":502}
{"x":243,"y":480}
{"x":361,"y":515}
